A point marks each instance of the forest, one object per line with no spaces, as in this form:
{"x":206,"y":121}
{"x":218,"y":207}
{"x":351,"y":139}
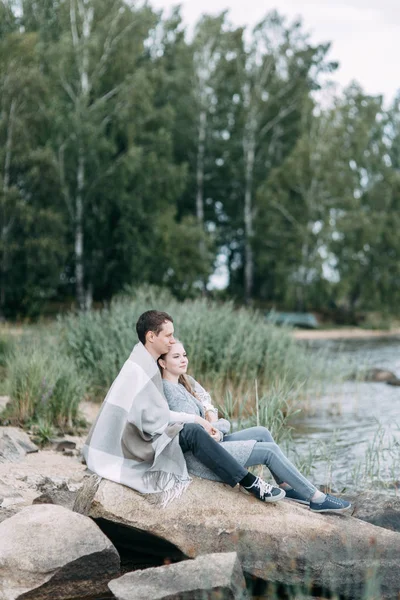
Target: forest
{"x":134,"y":153}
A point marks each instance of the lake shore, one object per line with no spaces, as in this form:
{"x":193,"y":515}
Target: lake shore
{"x":346,"y":333}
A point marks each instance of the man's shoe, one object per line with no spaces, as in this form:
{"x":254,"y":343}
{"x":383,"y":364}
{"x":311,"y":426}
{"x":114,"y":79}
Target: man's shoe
{"x":330,"y":504}
{"x":264,"y":491}
{"x":293,"y":495}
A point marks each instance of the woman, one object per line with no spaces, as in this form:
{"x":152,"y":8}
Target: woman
{"x":250,"y":447}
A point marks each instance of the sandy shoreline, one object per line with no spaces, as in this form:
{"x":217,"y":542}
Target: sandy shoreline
{"x":345,"y":333}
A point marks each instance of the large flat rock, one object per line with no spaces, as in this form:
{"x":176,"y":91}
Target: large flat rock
{"x":211,"y":577}
{"x":48,"y":552}
{"x":282,"y":542}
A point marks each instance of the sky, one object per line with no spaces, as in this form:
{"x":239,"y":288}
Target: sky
{"x":365,"y":34}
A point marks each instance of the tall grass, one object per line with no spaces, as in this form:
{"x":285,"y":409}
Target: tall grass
{"x":228,"y":349}
{"x":44,"y":386}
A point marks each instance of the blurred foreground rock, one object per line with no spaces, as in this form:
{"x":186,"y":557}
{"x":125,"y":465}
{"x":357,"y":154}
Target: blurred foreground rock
{"x":282,"y":542}
{"x":208,"y":577}
{"x":48,"y":552}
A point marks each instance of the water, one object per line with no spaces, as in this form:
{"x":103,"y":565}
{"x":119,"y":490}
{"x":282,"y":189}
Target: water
{"x":352,"y":435}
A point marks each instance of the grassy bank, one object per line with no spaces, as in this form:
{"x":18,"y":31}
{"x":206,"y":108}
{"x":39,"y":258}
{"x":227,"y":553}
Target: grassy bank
{"x":255,"y":371}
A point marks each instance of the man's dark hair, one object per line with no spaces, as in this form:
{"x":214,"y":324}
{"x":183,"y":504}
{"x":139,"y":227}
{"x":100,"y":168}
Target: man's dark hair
{"x":151,"y":320}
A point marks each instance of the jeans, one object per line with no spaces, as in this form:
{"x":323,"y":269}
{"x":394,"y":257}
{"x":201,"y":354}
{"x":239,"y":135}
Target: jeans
{"x":195,"y":438}
{"x":267,"y":452}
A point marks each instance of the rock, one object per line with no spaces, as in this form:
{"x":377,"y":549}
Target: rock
{"x":14,"y":444}
{"x":381,"y":376}
{"x":61,"y":444}
{"x":211,"y":576}
{"x":394,"y":381}
{"x":60,"y":497}
{"x":49,"y":552}
{"x":377,"y":508}
{"x":57,"y":492}
{"x":6,"y":491}
{"x":6,"y":513}
{"x":283,"y":542}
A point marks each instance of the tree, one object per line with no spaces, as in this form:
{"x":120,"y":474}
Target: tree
{"x":24,"y":285}
{"x":275,"y":74}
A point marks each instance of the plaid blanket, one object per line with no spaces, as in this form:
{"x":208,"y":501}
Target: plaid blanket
{"x":131,"y":442}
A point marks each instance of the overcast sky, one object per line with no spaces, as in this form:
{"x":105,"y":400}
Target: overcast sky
{"x":365,"y":34}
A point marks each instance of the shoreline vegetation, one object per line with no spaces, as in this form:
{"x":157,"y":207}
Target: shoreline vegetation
{"x":257,"y":373}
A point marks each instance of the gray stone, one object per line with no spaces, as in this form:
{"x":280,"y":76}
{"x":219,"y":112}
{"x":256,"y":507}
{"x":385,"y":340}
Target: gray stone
{"x":14,"y":444}
{"x":6,"y":491}
{"x":283,"y":542}
{"x":49,"y":552}
{"x":61,"y":444}
{"x":207,"y":577}
{"x":381,"y":509}
{"x":381,"y":376}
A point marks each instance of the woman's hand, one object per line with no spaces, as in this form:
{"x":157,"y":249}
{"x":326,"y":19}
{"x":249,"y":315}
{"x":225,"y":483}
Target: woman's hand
{"x":216,"y":435}
{"x":207,"y":426}
{"x":211,"y":416}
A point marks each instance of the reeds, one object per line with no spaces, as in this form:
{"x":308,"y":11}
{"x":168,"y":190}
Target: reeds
{"x":44,"y":386}
{"x":228,"y":349}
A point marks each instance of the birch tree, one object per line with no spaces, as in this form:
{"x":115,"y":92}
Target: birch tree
{"x":275,"y":72}
{"x":89,"y":71}
{"x":21,"y":94}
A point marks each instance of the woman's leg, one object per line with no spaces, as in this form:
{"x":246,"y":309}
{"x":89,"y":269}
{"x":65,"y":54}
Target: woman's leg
{"x":260,"y":434}
{"x":283,"y":471}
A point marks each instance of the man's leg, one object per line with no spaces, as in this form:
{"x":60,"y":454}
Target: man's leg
{"x":194,"y":437}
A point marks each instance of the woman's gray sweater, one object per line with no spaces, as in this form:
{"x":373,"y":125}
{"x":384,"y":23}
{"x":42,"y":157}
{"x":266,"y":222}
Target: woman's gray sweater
{"x":179,"y":400}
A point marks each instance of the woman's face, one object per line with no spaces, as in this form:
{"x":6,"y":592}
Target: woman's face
{"x":175,"y":361}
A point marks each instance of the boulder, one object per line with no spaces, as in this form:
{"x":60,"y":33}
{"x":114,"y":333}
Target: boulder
{"x":283,"y":542}
{"x":14,"y":444}
{"x":211,"y":576}
{"x":49,"y":552}
{"x":377,"y":508}
{"x":381,"y":376}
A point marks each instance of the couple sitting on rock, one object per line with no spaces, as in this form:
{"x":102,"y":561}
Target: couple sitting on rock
{"x":152,"y":429}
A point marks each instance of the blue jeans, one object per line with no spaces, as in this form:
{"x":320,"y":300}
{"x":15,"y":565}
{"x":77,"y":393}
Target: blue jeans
{"x":196,"y":439}
{"x":267,"y":452}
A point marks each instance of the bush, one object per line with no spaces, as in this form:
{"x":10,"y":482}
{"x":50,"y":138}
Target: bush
{"x":227,"y":348}
{"x":44,"y":386}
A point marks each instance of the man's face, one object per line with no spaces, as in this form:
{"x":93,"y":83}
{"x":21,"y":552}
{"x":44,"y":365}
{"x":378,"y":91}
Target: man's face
{"x":164,"y":340}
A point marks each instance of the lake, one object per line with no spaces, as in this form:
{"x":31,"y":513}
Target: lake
{"x":351,"y":435}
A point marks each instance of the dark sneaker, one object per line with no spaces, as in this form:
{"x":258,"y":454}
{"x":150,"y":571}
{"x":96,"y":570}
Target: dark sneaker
{"x":293,"y":495}
{"x":265,"y":492}
{"x":330,"y":504}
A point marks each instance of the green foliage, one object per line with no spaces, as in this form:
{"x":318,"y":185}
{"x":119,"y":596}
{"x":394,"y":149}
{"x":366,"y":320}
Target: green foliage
{"x":43,"y":432}
{"x":130,"y":155}
{"x":228,"y":349}
{"x":7,"y":345}
{"x":44,"y":386}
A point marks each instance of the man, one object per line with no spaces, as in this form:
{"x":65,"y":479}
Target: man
{"x":137,"y":441}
